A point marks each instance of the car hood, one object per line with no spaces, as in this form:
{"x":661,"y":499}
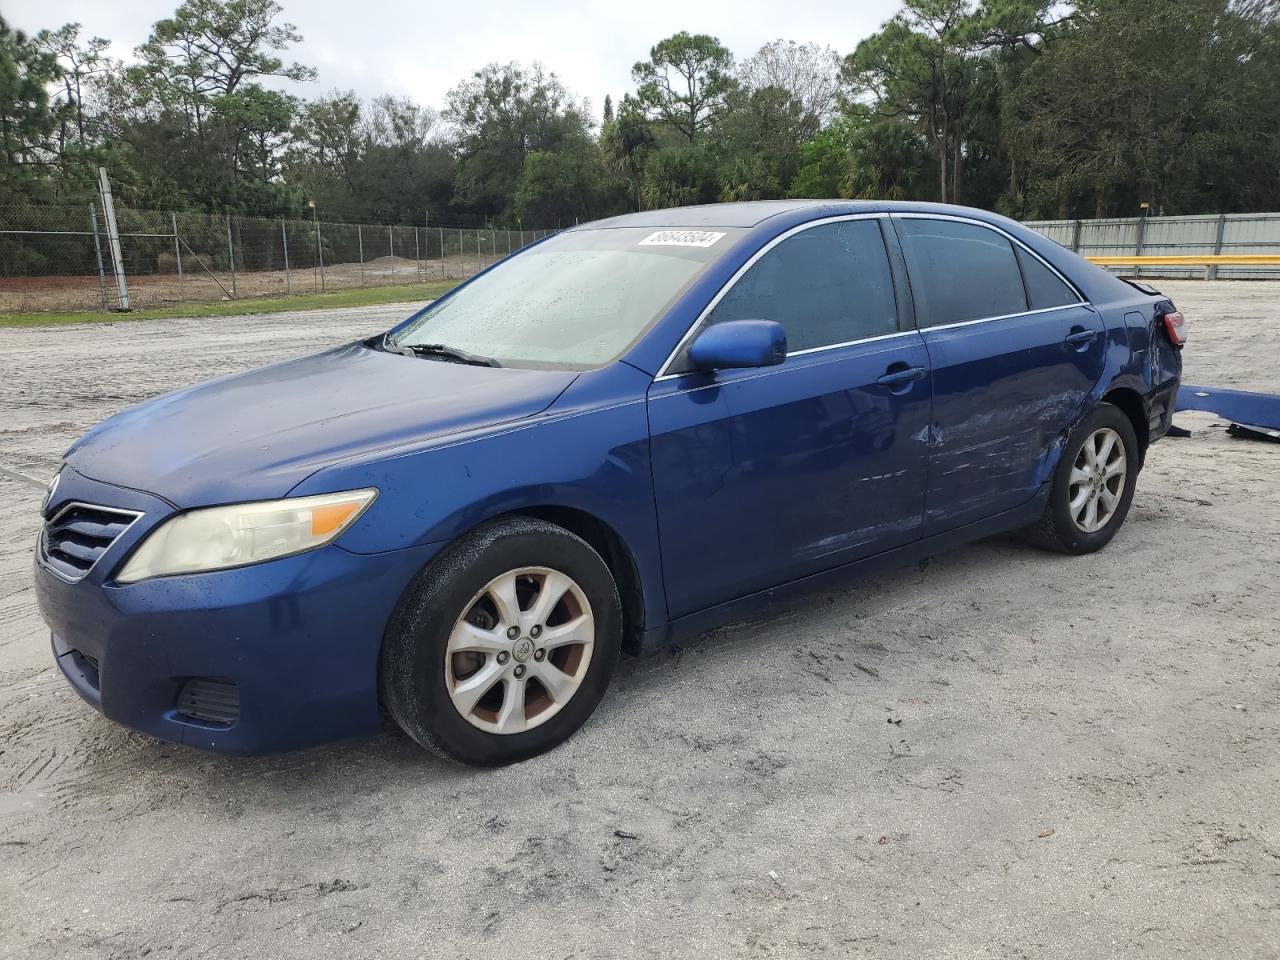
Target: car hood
{"x":256,"y":435}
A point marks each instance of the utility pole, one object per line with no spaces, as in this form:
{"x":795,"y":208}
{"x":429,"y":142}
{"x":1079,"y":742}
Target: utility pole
{"x":113,"y":237}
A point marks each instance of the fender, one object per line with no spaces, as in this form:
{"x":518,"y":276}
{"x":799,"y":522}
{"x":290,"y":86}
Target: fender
{"x":589,"y":453}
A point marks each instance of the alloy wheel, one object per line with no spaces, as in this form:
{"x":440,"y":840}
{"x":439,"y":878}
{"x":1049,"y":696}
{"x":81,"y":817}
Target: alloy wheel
{"x":520,"y":649}
{"x":1097,"y":480}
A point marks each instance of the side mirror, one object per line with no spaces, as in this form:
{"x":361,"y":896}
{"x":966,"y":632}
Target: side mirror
{"x":739,"y":343}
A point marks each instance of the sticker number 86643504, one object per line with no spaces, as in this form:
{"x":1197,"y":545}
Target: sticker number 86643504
{"x":681,"y":238}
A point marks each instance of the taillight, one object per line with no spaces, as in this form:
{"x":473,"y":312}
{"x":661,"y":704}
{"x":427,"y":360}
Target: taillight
{"x":1175,"y":325}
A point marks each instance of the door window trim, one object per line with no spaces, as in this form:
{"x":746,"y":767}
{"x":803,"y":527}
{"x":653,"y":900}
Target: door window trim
{"x":1081,"y":300}
{"x":751,"y":262}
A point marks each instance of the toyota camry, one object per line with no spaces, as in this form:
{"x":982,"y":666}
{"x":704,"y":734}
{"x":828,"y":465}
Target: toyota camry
{"x":634,"y":430}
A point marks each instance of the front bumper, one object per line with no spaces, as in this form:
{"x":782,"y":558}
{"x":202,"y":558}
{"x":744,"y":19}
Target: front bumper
{"x":298,"y":637}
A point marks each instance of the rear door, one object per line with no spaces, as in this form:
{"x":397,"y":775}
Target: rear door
{"x":1014,"y":351}
{"x":766,"y":475}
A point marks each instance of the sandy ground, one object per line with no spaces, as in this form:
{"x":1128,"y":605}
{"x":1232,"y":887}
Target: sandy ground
{"x":1000,"y":754}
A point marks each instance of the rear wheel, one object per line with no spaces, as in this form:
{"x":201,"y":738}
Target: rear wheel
{"x":504,"y":644}
{"x":1092,"y":486}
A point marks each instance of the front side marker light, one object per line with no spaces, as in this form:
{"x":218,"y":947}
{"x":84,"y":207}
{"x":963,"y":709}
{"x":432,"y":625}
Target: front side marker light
{"x":218,"y":538}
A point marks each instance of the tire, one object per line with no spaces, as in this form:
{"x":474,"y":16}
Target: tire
{"x":448,"y":638}
{"x":1067,"y":530}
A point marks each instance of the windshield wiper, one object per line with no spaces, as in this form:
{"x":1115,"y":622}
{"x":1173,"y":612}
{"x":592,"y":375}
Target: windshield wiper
{"x":440,"y":352}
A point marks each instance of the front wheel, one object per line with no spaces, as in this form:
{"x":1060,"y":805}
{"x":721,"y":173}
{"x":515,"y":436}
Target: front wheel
{"x":1092,"y":486}
{"x":504,"y":645}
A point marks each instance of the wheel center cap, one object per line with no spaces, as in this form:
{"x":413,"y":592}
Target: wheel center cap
{"x":522,"y":650}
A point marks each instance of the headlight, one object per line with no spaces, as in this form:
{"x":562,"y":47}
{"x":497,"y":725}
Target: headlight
{"x":215,"y":538}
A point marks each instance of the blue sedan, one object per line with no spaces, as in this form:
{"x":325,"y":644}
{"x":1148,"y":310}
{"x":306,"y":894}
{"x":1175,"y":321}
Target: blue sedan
{"x":635,"y":430}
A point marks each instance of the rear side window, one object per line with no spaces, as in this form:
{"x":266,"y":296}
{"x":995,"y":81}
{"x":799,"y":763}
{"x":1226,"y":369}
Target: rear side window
{"x":960,"y":271}
{"x":1045,"y":288}
{"x":826,"y":285}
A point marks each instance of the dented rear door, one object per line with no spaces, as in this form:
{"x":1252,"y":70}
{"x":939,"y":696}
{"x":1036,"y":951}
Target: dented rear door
{"x":1012,"y":365}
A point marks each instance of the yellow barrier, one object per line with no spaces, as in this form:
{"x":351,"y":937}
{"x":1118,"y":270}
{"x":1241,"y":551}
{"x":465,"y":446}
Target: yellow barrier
{"x":1206,"y":260}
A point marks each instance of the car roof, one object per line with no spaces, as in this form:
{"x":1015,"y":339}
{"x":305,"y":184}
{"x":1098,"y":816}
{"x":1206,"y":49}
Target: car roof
{"x":752,"y":213}
{"x":742,"y":214}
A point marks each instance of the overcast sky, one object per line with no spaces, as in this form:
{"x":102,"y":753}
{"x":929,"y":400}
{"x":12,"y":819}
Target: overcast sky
{"x":421,"y":50}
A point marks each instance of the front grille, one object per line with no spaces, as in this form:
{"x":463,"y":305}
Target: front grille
{"x":78,"y":534}
{"x":213,"y":701}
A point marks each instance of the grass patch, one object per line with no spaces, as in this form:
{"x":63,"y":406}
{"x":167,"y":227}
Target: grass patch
{"x":356,"y":297}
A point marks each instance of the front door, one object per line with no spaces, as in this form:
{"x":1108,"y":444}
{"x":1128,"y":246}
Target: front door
{"x":1014,"y":353}
{"x":763,"y":476}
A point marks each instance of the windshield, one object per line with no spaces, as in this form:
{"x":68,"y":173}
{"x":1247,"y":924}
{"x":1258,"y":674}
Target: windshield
{"x":577,"y":300}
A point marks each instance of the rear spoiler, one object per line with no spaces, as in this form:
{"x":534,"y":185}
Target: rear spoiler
{"x":1141,"y":287}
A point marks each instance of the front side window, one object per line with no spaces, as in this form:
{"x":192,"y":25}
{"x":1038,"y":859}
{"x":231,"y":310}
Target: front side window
{"x":578,"y":300}
{"x":828,"y":284}
{"x":960,"y":271}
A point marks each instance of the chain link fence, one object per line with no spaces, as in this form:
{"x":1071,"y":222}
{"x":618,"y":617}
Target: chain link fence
{"x":61,"y":257}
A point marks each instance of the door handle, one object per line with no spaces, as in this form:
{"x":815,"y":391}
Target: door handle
{"x":899,"y":374}
{"x":1080,"y":336}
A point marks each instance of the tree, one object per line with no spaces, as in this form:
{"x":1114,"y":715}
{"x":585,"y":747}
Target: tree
{"x":759,"y":143}
{"x":808,"y":72}
{"x":80,"y":65}
{"x":862,"y":156}
{"x":327,"y":146}
{"x":887,"y":160}
{"x":918,"y":68}
{"x":679,"y":176}
{"x":685,"y":81}
{"x":502,"y":114}
{"x":28,"y":121}
{"x":386,"y":160}
{"x":197,"y":83}
{"x":407,"y":164}
{"x":1096,"y":120}
{"x":559,"y":187}
{"x":627,"y":143}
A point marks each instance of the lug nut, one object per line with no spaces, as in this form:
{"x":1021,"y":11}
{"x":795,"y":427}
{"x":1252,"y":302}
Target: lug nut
{"x":539,"y":654}
{"x":503,"y":657}
{"x":519,"y":671}
{"x":513,"y":632}
{"x":535,"y":632}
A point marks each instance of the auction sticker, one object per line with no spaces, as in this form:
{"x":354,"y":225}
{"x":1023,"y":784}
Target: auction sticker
{"x":681,"y":238}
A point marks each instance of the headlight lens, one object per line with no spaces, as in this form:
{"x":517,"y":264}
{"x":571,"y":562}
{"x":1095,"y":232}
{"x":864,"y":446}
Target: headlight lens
{"x":215,"y":538}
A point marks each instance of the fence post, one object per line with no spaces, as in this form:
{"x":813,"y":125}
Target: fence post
{"x":360,"y":241}
{"x":1211,"y":272}
{"x":1075,"y":237}
{"x":177,"y":253}
{"x":319,"y":249}
{"x":417,"y":256}
{"x":113,"y":237}
{"x":479,"y":251}
{"x":1142,"y":229}
{"x":462,"y":256}
{"x":97,"y":249}
{"x":444,"y":267}
{"x":391,"y":245}
{"x":231,"y":260}
{"x":284,"y":240}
